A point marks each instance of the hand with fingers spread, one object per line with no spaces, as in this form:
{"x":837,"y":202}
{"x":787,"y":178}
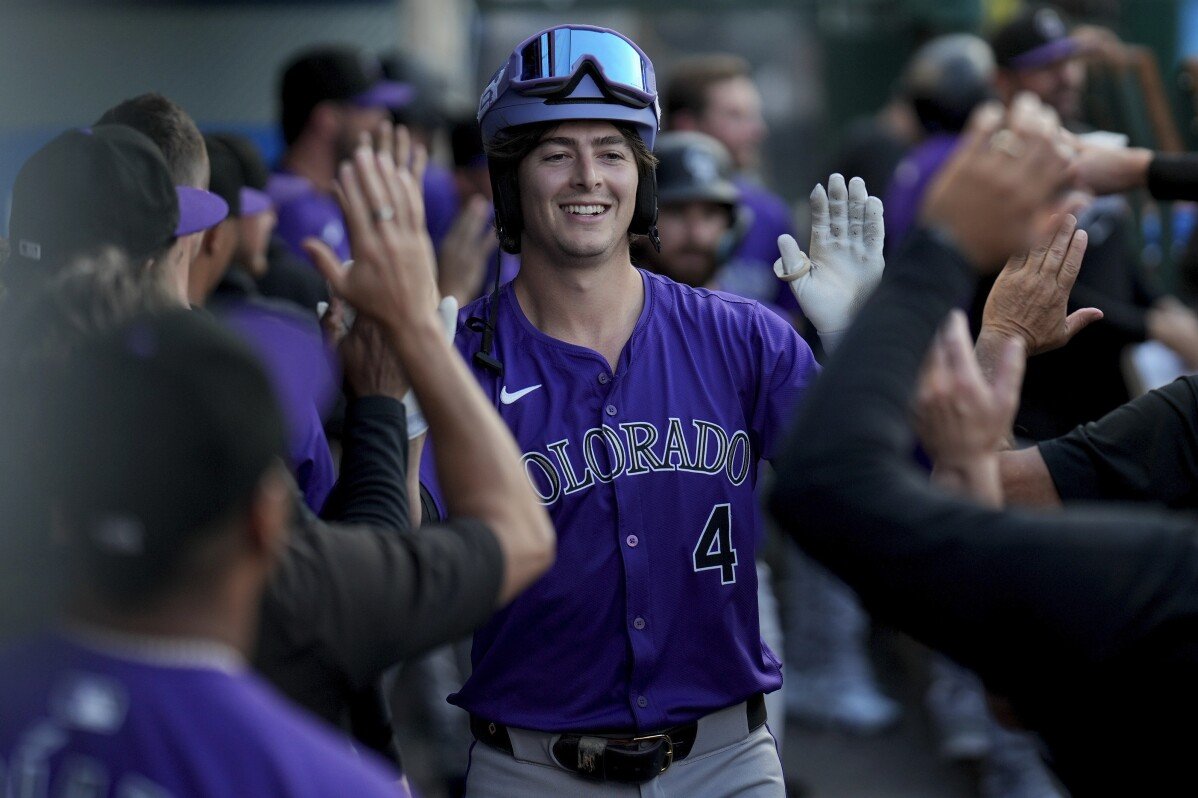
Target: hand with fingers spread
{"x":462,"y":262}
{"x":846,"y":261}
{"x":962,"y":419}
{"x":1002,"y":177}
{"x":392,"y":278}
{"x":1029,"y":298}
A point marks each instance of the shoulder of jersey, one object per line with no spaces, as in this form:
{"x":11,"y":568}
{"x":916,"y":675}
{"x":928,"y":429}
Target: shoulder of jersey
{"x":702,"y":299}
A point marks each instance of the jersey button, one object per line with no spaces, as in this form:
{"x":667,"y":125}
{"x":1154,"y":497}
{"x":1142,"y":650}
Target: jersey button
{"x":642,"y":702}
{"x":610,"y":410}
{"x":604,"y":379}
{"x":639,"y":623}
{"x":632,"y":541}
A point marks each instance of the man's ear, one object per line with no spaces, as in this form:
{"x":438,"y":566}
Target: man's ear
{"x":269,"y":515}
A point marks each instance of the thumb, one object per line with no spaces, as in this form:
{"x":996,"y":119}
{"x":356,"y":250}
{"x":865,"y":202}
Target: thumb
{"x":794,"y":263}
{"x":326,"y":262}
{"x":1079,"y":320}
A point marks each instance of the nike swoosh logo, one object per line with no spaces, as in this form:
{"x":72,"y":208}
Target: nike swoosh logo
{"x":508,"y":398}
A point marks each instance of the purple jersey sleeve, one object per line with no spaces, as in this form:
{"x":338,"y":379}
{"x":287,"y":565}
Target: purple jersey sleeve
{"x":305,"y":375}
{"x":912,"y":177}
{"x":440,"y":202}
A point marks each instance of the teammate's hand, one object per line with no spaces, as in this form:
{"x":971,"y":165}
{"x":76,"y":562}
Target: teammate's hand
{"x":1003,"y":176}
{"x":959,"y":417}
{"x":1030,"y":296}
{"x":369,"y":362}
{"x":462,"y":262}
{"x":392,"y":278}
{"x":846,"y":261}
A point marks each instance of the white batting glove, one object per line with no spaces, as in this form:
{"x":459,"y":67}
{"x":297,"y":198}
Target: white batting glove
{"x":846,"y":262}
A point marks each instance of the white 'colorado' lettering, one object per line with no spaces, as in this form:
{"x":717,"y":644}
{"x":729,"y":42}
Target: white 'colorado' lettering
{"x":603,"y":455}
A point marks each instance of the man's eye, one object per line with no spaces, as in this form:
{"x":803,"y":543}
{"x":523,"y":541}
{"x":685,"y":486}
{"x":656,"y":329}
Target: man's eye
{"x":613,"y":156}
{"x":555,"y":157}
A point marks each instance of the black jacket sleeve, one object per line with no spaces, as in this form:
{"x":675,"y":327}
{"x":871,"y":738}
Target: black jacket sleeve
{"x":372,"y":488}
{"x":1173,"y":176}
{"x":1054,"y":611}
{"x":346,"y":603}
{"x":1144,"y":451}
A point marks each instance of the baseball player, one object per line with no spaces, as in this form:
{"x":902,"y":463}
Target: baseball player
{"x":642,"y":408}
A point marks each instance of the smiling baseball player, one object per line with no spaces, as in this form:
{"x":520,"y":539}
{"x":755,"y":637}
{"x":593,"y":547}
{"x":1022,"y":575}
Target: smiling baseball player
{"x":643,"y":408}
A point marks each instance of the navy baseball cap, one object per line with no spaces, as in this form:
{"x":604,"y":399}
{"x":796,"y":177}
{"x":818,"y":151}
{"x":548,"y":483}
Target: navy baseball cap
{"x":340,"y":73}
{"x":102,"y":186}
{"x":1035,"y":38}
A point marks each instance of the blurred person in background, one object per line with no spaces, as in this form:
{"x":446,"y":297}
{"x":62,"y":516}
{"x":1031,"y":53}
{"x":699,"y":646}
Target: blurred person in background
{"x":1036,"y":51}
{"x":143,"y":684}
{"x":303,"y":370}
{"x":177,"y":136}
{"x":291,"y":349}
{"x":329,"y":97}
{"x":715,"y":94}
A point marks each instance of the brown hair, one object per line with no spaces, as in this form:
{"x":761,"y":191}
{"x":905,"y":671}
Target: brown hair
{"x":692,"y":77}
{"x":513,"y":145}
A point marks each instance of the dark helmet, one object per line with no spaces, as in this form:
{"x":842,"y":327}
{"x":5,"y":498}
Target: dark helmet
{"x":692,"y":167}
{"x":947,"y":78}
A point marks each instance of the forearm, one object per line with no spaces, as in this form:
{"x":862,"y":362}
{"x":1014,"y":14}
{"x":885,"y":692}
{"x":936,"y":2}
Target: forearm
{"x":977,"y":479}
{"x":374,"y":466}
{"x":478,"y":462}
{"x":1025,"y":479}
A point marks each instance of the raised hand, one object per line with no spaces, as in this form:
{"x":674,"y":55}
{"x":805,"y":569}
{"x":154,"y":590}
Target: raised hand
{"x":392,"y":278}
{"x":846,"y":261}
{"x":462,"y":262}
{"x":959,"y":416}
{"x":1002,"y":177}
{"x":1029,"y":298}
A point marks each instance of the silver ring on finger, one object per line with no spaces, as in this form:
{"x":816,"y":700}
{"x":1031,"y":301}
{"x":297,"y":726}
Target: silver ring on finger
{"x":384,"y":214}
{"x":1008,"y":143}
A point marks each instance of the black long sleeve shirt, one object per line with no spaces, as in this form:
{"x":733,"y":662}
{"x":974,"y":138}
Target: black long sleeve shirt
{"x":1086,"y":620}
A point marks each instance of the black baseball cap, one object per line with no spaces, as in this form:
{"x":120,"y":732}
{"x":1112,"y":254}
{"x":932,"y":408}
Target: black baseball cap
{"x":1035,"y":38}
{"x":161,"y":428}
{"x":239,"y":174}
{"x":341,"y":73}
{"x":102,"y":186}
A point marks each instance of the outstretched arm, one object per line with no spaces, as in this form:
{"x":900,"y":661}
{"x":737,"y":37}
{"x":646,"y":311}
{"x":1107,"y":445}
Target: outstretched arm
{"x":985,"y":586}
{"x":392,"y":281}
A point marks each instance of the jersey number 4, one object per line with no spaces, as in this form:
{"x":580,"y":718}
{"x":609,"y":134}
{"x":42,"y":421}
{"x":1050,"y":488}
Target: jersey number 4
{"x":714,"y":549}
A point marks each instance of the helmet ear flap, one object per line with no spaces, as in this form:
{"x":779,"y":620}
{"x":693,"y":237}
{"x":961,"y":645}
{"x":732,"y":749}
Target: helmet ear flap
{"x":644,"y":217}
{"x":509,"y":220}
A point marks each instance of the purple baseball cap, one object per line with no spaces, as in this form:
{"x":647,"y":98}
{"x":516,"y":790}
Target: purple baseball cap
{"x":1036,"y":38}
{"x":199,"y":210}
{"x":254,"y":202}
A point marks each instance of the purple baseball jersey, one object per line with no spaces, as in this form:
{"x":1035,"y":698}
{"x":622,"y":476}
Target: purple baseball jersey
{"x":304,"y":211}
{"x":649,"y":617}
{"x":82,"y":720}
{"x":912,"y":177}
{"x":306,"y":376}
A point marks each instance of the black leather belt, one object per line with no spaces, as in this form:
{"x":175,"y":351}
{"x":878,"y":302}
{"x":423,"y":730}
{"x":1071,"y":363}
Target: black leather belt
{"x":629,"y":760}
